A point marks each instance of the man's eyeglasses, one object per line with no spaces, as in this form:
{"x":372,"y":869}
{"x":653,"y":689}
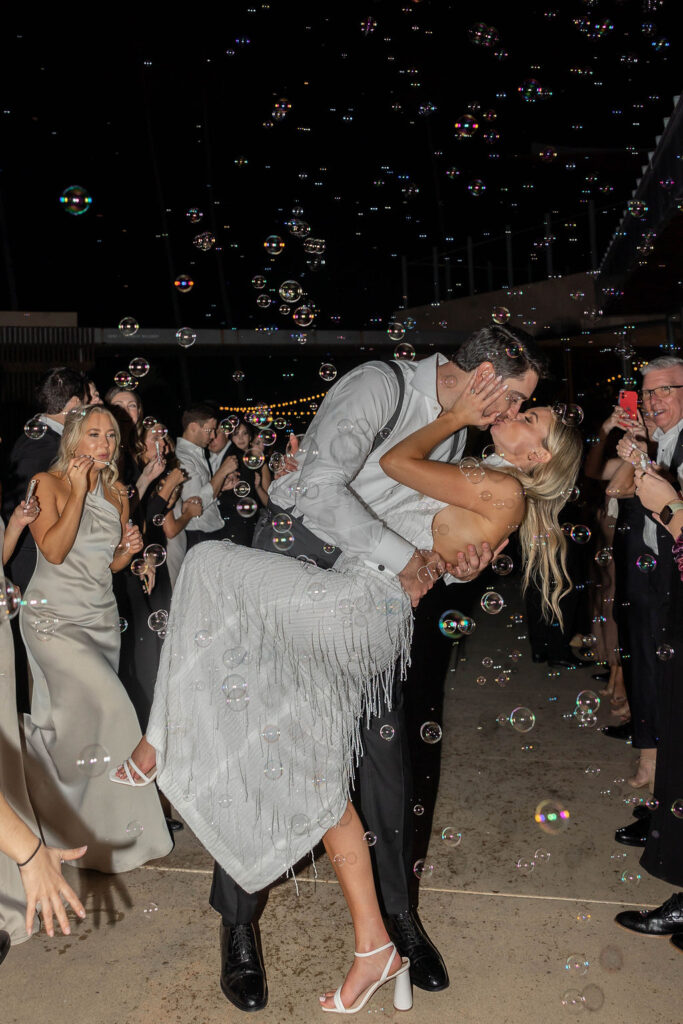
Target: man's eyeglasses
{"x":663,"y":391}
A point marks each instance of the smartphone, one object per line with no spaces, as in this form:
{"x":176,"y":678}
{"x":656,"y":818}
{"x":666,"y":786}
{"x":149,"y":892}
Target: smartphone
{"x":628,"y":401}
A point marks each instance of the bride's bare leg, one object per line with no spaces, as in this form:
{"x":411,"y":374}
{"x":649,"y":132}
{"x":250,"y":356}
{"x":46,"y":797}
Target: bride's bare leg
{"x":351,"y":861}
{"x":144,"y":756}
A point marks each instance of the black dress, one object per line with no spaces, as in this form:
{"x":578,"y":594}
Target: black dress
{"x":140,"y":645}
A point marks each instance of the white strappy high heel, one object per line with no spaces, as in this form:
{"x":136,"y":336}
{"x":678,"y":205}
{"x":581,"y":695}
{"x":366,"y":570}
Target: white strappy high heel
{"x":129,"y":780}
{"x":403,"y":994}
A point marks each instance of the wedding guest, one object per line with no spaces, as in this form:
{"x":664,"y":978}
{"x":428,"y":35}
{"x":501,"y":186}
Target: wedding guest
{"x":251,"y":460}
{"x":80,"y":714}
{"x":199,"y":428}
{"x":59,"y":391}
{"x":238,"y":515}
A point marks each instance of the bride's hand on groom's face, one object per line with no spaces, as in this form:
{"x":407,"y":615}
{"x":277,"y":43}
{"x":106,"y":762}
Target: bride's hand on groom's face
{"x":481,"y":394}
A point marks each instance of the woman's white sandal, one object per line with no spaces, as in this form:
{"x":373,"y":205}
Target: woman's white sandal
{"x":403,"y":995}
{"x":129,"y":780}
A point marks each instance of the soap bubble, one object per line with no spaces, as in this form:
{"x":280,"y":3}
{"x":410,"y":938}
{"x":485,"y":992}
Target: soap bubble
{"x":290,"y":291}
{"x":502,"y":565}
{"x":124,"y":379}
{"x":258,"y":281}
{"x":646,"y":562}
{"x":451,"y":836}
{"x":593,"y":998}
{"x":637,"y":208}
{"x":396,"y":331}
{"x":530,"y":90}
{"x":158,"y":620}
{"x":404,"y":351}
{"x":303,"y":316}
{"x":630,"y":877}
{"x":665,"y":652}
{"x":491,"y":602}
{"x":314,"y":246}
{"x":134,"y":829}
{"x":525,"y":866}
{"x":236,"y":693}
{"x":522,"y":719}
{"x":184,"y":283}
{"x":327,"y":372}
{"x":370,"y":838}
{"x":281,"y":523}
{"x":423,"y":869}
{"x":246,"y":507}
{"x":500,"y":315}
{"x":138,"y":367}
{"x":418,"y":810}
{"x":588,"y":701}
{"x":573,"y":1000}
{"x":466,"y":126}
{"x":430,"y":732}
{"x":604,"y":556}
{"x":35,"y":429}
{"x":128,"y":326}
{"x":611,"y":959}
{"x":576,"y":964}
{"x":253,"y":458}
{"x":270,"y":733}
{"x":580,"y":534}
{"x":194,"y":215}
{"x":155,"y":555}
{"x":573,"y":416}
{"x":186,"y":337}
{"x":677,"y":808}
{"x":273,"y":245}
{"x":204,"y":638}
{"x":76,"y":200}
{"x":551,"y":816}
{"x":541,"y":856}
{"x":205,"y":240}
{"x":150,"y":908}
{"x":387,"y":732}
{"x":241,"y":489}
{"x":476,"y":187}
{"x":93,"y":760}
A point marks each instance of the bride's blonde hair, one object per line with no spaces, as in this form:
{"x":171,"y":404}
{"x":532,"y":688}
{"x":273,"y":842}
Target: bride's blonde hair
{"x":75,"y":426}
{"x":547,"y":488}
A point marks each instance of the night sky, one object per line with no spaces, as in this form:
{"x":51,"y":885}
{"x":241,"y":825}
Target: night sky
{"x":341,"y":116}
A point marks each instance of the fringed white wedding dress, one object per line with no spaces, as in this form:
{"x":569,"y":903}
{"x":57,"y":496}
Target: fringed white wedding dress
{"x":268,"y":667}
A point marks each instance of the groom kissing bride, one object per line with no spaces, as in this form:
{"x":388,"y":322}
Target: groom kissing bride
{"x":279,"y":676}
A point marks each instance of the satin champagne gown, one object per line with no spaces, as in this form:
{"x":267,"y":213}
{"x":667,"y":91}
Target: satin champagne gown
{"x":82,"y":722}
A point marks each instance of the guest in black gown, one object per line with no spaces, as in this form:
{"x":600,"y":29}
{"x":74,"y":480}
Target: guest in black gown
{"x":252,"y":459}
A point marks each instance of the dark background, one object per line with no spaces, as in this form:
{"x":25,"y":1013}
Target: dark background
{"x":155,"y":118}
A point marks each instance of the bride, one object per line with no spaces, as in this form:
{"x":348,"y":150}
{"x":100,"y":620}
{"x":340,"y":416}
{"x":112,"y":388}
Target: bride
{"x":270,"y":663}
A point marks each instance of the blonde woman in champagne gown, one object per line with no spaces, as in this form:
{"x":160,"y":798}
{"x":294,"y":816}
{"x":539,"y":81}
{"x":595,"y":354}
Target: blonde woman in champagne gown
{"x":81,"y":718}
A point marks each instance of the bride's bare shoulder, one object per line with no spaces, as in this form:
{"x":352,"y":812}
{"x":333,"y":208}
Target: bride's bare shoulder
{"x":504,"y":487}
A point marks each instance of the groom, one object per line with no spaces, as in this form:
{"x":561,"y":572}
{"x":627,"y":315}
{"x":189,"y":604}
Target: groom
{"x":337,"y":500}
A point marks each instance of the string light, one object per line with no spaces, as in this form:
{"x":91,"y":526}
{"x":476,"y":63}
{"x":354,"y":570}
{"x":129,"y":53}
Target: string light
{"x":275,"y":405}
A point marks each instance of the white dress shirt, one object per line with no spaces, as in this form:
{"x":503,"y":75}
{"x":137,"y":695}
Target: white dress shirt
{"x":340,"y":490}
{"x":191,"y":457}
{"x":666,"y":446}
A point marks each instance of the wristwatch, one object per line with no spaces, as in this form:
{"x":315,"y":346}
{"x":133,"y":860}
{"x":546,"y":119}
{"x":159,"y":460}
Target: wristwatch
{"x":669,"y":510}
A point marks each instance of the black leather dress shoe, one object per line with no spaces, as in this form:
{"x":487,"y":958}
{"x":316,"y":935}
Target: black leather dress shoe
{"x":619,"y":732}
{"x":641,"y":811}
{"x":665,"y":920}
{"x":677,"y":940}
{"x":634,"y":834}
{"x":173,"y":825}
{"x":243,"y":978}
{"x":5,"y":944}
{"x":427,"y":969}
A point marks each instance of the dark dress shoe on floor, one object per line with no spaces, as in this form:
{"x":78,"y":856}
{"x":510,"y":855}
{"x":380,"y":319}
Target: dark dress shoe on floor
{"x":619,"y":732}
{"x":427,"y":969}
{"x":174,"y":825}
{"x":634,"y":834}
{"x":677,"y":940}
{"x":243,"y":977}
{"x":665,"y":920}
{"x":641,"y":811}
{"x":5,"y":944}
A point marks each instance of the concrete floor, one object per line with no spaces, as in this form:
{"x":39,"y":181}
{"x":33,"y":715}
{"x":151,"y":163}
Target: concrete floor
{"x":148,"y":950}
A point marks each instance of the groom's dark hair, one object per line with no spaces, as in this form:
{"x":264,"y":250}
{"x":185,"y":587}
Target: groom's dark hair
{"x":511,"y":351}
{"x":199,"y":413}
